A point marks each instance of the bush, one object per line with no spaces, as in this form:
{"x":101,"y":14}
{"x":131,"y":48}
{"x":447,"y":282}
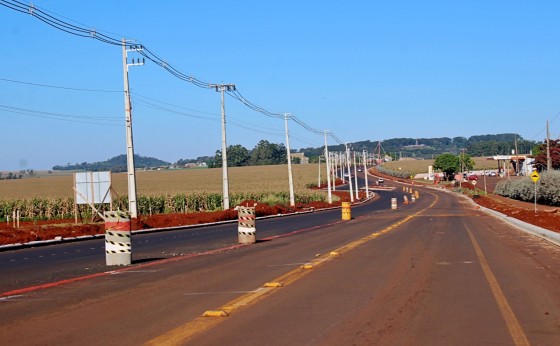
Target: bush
{"x":548,"y":189}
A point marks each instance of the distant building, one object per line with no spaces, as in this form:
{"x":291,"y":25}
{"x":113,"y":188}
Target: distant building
{"x":416,"y":146}
{"x":196,"y":165}
{"x":514,"y":164}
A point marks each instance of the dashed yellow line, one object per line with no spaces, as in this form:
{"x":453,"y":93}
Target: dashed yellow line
{"x":515,"y":330}
{"x":211,"y":318}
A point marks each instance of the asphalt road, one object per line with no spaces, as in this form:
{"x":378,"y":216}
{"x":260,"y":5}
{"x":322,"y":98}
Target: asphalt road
{"x":434,"y":272}
{"x":45,"y":264}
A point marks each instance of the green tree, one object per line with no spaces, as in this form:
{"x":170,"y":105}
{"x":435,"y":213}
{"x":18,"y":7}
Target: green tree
{"x":217,"y":159}
{"x":449,"y":164}
{"x":466,"y":162}
{"x":237,"y":155}
{"x":540,"y":155}
{"x":266,"y":153}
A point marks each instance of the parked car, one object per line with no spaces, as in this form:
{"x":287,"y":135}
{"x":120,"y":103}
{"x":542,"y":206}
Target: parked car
{"x":472,"y":177}
{"x":491,"y":174}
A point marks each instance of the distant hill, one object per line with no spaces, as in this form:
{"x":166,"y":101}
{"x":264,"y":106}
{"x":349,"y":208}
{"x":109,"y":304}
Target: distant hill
{"x":115,"y":164}
{"x":419,"y":148}
{"x":427,"y":148}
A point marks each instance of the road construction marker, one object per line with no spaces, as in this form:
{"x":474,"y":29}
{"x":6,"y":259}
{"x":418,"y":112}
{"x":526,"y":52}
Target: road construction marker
{"x":215,"y":313}
{"x":273,"y":284}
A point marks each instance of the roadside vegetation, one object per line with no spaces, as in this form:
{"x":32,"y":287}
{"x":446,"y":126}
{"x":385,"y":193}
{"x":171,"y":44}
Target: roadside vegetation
{"x":548,"y":189}
{"x":174,"y":191}
{"x":395,"y":173}
{"x":63,"y":208}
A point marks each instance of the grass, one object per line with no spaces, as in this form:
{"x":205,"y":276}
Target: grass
{"x":421,"y":166}
{"x":241,"y":180}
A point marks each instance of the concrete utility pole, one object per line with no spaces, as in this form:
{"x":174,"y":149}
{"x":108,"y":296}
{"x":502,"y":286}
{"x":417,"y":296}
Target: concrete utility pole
{"x":329,"y":193}
{"x":334,"y":160}
{"x":366,"y":174}
{"x":132,"y":206}
{"x":342,"y":163}
{"x":349,"y":173}
{"x":290,"y":179}
{"x":319,"y":179}
{"x":356,"y":176}
{"x":548,"y":159}
{"x":517,"y":170}
{"x":225,"y":184}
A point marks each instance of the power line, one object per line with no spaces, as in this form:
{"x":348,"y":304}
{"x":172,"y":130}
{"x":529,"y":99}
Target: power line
{"x":544,"y":128}
{"x":59,"y":87}
{"x":60,"y":116}
{"x":145,"y":52}
{"x":232,"y":120}
{"x":172,"y":105}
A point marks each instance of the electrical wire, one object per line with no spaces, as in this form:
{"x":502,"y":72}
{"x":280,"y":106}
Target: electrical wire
{"x":154,"y":106}
{"x":60,"y":87}
{"x":105,"y":121}
{"x":145,"y":52}
{"x":171,"y":105}
{"x":544,"y":128}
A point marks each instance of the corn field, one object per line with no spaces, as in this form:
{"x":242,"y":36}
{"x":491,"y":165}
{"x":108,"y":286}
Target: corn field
{"x":63,"y":208}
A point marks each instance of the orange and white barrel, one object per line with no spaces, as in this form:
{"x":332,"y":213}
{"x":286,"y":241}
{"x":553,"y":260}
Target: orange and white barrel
{"x":118,"y":245}
{"x":246,"y":225}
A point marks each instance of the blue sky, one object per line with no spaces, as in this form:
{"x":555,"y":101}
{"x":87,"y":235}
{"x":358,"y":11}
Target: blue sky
{"x":366,"y":70}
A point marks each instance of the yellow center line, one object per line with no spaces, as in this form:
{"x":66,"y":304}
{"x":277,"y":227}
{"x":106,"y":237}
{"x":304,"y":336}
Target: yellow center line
{"x":515,"y":330}
{"x":180,"y":335}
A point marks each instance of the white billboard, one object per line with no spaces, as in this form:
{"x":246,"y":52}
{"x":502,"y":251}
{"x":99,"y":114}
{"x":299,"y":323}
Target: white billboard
{"x":92,"y":187}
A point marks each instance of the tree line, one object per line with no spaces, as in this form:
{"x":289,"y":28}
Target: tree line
{"x":267,"y":153}
{"x":114,"y":164}
{"x":264,"y":153}
{"x":428,"y":148}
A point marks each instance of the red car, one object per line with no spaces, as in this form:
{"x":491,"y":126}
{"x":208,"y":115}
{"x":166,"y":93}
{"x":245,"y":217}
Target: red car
{"x":472,"y":177}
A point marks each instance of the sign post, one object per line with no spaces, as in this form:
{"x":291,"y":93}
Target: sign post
{"x":535,"y":176}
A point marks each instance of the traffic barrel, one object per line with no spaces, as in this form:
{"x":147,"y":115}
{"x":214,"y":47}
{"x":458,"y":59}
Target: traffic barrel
{"x":346,"y":211}
{"x":118,"y":245}
{"x":246,"y":225}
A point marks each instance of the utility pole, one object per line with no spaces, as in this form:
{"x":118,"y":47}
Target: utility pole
{"x":132,"y":206}
{"x":548,"y":159}
{"x":356,"y":176}
{"x":319,"y":179}
{"x":366,"y":174}
{"x":329,"y":193}
{"x":225,"y":184}
{"x":349,"y":173}
{"x":342,"y":163}
{"x":334,"y":161}
{"x":517,"y":170}
{"x":290,"y":179}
